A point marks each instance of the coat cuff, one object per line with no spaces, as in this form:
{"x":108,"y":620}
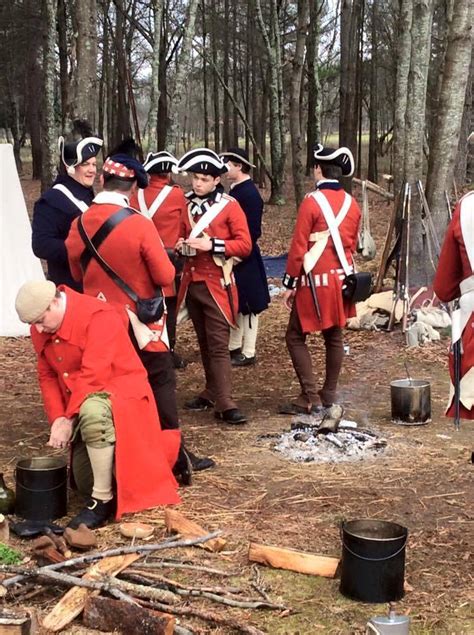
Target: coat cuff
{"x":218,"y":246}
{"x":289,"y":281}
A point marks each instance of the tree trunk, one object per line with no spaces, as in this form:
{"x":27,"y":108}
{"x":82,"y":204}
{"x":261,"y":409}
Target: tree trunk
{"x":181,"y":80}
{"x":405,"y":20}
{"x":157,"y":6}
{"x":372,"y":172}
{"x":163,"y":122}
{"x":215,"y":82}
{"x":84,"y":102}
{"x":313,"y":131}
{"x":225,"y":72}
{"x":296,"y":128}
{"x":271,"y":38}
{"x":63,"y":63}
{"x":122,"y":128}
{"x":49,"y":135}
{"x":205,"y":100}
{"x":449,"y":115}
{"x":415,"y":130}
{"x":461,"y":175}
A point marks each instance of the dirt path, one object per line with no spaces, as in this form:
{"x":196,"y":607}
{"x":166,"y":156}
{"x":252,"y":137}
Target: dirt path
{"x":423,"y":480}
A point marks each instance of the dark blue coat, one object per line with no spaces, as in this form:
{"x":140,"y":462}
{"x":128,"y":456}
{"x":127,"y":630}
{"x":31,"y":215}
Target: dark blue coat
{"x":52,"y":218}
{"x":250,"y":275}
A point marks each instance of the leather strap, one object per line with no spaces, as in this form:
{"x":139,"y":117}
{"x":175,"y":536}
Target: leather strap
{"x":102,"y":233}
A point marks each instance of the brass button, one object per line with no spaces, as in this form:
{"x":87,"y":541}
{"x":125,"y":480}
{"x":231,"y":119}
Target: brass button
{"x":68,"y":391}
{"x":56,"y":341}
{"x":60,"y":359}
{"x":65,"y":374}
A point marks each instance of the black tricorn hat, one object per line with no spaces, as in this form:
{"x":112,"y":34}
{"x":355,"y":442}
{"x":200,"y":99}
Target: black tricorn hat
{"x":160,"y":162}
{"x":202,"y":161}
{"x":74,"y":153}
{"x":341,"y":157}
{"x":236,"y":155}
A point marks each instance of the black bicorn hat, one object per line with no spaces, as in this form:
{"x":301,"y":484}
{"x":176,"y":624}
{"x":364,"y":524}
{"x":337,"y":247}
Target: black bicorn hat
{"x":160,"y":163}
{"x":73,"y":153}
{"x":341,"y":157}
{"x":236,"y":155}
{"x":203,"y":161}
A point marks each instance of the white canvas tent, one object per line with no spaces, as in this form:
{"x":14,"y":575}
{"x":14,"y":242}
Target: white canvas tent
{"x":17,"y":261}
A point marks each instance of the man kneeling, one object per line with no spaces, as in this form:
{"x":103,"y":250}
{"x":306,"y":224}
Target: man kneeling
{"x":98,"y":400}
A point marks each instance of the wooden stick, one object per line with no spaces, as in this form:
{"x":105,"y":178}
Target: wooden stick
{"x":90,"y":557}
{"x":151,"y":563}
{"x":376,"y":188}
{"x":293,"y":560}
{"x":176,"y":522}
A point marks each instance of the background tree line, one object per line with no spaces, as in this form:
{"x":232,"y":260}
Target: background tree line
{"x":391,"y":79}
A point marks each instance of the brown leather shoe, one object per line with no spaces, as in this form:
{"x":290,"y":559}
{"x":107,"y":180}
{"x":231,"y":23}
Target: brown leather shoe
{"x":295,"y":409}
{"x":198,"y":404}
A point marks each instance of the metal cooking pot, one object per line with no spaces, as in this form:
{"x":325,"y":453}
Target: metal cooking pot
{"x":411,"y":401}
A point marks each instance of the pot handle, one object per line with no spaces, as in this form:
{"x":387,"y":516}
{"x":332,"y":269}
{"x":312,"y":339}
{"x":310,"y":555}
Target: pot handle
{"x":370,"y":626}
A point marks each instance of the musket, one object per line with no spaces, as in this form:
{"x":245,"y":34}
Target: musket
{"x":406,"y":283}
{"x":314,"y":295}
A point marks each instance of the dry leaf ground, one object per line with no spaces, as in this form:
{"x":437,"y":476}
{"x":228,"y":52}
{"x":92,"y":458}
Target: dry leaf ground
{"x":423,"y":481}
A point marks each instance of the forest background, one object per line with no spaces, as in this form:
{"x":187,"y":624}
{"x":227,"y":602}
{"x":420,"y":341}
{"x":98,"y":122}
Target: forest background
{"x":390,"y":79}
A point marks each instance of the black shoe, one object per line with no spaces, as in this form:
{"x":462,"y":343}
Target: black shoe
{"x":242,"y":360}
{"x":200,"y":464}
{"x":295,"y":409}
{"x":31,"y":528}
{"x":183,"y":469}
{"x":178,"y":362}
{"x":95,"y":514}
{"x":232,"y":416}
{"x":198,"y":404}
{"x":235,"y":353}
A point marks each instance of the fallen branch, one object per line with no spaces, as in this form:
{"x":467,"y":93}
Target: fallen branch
{"x":151,"y":563}
{"x":91,"y":557}
{"x":207,"y":617}
{"x":152,"y":578}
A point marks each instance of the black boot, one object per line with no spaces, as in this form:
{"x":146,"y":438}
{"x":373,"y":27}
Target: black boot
{"x":95,"y":514}
{"x":200,"y":463}
{"x":183,"y":469}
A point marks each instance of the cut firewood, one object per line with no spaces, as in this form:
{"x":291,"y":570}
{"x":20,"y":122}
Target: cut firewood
{"x":14,"y":622}
{"x":72,"y":603}
{"x":105,"y":614}
{"x":292,"y":560}
{"x":176,"y":522}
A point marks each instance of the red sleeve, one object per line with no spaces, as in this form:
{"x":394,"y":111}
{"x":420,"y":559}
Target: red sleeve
{"x":102,"y":339}
{"x":73,"y":252}
{"x":450,"y":270}
{"x":154,"y":255}
{"x":53,"y":400}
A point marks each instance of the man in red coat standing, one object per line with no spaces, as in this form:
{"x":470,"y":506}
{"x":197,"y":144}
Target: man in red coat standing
{"x":213,"y":231}
{"x":314,"y":276}
{"x":97,"y":398}
{"x":455,"y":279}
{"x":164,"y":203}
{"x":134,"y":250}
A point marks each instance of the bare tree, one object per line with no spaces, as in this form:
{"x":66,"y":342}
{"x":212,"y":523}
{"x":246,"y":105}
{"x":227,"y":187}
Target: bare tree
{"x":84,"y":85}
{"x":49,"y":134}
{"x":446,"y":131}
{"x":157,"y":7}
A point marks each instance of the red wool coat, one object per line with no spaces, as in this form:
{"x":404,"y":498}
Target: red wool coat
{"x":167,"y":218}
{"x":328,"y":270}
{"x":453,"y":267}
{"x":133,"y":249}
{"x":91,"y":352}
{"x":231,"y":226}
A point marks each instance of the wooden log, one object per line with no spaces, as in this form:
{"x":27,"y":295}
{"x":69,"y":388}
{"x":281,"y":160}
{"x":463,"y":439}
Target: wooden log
{"x":72,"y":603}
{"x":176,"y":522}
{"x":376,"y":188}
{"x":14,"y":622}
{"x":293,"y":560}
{"x":105,"y":614}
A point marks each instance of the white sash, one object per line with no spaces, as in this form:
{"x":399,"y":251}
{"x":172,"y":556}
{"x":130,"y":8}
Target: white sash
{"x":149,"y":212}
{"x":461,"y":316}
{"x":205,"y":220}
{"x":78,"y":203}
{"x":312,"y":256}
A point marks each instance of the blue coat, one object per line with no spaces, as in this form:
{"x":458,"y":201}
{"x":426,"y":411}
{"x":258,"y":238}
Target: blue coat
{"x":250,"y":275}
{"x":52,"y":217}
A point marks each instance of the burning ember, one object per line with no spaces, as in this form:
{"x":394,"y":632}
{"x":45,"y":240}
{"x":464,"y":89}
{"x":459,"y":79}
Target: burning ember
{"x":313,"y":440}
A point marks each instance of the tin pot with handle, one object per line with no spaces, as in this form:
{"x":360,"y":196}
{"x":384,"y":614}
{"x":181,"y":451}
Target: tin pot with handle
{"x":391,"y":624}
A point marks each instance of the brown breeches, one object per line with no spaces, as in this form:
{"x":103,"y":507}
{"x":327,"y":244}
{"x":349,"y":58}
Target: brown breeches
{"x":301,"y":358}
{"x":212,"y":332}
